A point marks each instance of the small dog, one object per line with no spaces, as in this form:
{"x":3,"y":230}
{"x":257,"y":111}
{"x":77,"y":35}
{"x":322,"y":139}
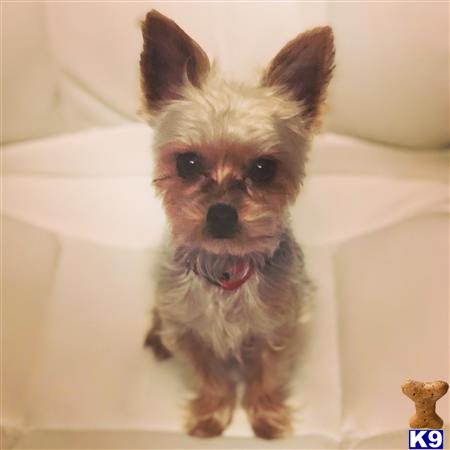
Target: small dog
{"x":229,"y":161}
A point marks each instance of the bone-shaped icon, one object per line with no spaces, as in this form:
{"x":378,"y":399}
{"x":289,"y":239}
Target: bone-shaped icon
{"x":425,"y":395}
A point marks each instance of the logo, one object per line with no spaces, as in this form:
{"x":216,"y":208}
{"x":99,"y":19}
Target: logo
{"x":426,"y":439}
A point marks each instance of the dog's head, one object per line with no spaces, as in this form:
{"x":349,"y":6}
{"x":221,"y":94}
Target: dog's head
{"x":230,"y":157}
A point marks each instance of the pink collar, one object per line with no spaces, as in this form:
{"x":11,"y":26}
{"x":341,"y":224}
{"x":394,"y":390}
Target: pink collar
{"x":234,"y":277}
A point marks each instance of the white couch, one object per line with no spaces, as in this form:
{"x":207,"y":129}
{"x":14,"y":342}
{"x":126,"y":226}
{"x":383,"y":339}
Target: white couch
{"x":81,"y":225}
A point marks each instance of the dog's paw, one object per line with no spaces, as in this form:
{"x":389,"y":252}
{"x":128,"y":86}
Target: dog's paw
{"x":271,"y":424}
{"x":154,"y":341}
{"x":208,"y":424}
{"x":205,"y":428}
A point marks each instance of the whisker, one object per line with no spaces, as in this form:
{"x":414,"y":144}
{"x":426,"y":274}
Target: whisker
{"x":160,"y":179}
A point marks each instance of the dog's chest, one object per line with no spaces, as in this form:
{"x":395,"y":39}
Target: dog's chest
{"x":225,"y":319}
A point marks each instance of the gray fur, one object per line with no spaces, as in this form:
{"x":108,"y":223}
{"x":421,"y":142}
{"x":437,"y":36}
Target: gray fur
{"x":268,"y":302}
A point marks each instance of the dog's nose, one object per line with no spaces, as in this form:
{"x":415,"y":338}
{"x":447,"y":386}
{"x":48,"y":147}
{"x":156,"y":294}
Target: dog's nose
{"x":222,"y":220}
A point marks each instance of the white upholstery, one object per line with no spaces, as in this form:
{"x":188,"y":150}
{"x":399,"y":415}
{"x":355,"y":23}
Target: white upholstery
{"x":83,"y":231}
{"x":81,"y":224}
{"x":77,"y":63}
{"x":392,"y":72}
{"x":30,"y":104}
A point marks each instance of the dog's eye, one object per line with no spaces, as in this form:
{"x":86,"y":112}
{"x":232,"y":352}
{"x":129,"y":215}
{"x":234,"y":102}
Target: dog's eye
{"x":189,"y":165}
{"x":263,"y":170}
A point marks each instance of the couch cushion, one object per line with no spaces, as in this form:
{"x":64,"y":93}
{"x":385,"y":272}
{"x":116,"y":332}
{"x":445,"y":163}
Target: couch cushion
{"x":391,"y":78}
{"x":392,"y":72}
{"x":390,"y":84}
{"x":107,"y":68}
{"x":373,"y":244}
{"x":29,"y":76}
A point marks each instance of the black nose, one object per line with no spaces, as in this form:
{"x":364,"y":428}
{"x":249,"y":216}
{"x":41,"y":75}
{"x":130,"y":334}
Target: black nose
{"x":221,"y":220}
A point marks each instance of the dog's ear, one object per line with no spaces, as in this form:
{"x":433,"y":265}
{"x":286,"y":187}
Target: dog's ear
{"x":169,"y":59}
{"x":303,"y":69}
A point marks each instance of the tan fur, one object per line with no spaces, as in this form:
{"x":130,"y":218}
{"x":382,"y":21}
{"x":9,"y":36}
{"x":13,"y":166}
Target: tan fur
{"x":250,"y":333}
{"x":267,"y":387}
{"x":211,"y":412}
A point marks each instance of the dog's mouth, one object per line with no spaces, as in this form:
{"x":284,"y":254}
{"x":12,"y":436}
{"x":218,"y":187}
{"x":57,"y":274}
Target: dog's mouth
{"x":224,"y":270}
{"x":235,"y":275}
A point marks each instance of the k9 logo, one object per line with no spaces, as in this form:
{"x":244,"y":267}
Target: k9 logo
{"x":426,"y":439}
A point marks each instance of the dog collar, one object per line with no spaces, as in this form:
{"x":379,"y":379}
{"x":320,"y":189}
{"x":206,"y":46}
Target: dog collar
{"x":234,"y":277}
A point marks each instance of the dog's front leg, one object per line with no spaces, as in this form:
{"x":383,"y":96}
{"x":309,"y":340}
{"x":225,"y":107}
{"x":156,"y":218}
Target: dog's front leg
{"x":266,"y":392}
{"x":154,"y":341}
{"x":211,"y":411}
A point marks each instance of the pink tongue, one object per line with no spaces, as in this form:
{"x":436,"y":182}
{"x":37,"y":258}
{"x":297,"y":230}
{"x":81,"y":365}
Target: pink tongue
{"x":236,"y":275}
{"x":238,"y":268}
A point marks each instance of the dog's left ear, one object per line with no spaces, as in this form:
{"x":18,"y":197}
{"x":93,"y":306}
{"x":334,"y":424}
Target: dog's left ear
{"x":169,"y":59}
{"x":303,"y":69}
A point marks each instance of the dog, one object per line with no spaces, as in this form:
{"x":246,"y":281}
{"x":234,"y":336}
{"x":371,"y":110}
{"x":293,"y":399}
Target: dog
{"x":230,"y":161}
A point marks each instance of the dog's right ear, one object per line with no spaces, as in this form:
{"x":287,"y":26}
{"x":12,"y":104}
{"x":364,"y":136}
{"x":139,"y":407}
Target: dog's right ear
{"x":169,"y":59}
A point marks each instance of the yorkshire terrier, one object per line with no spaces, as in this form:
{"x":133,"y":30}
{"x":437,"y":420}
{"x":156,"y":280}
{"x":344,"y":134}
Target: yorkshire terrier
{"x":229,"y":161}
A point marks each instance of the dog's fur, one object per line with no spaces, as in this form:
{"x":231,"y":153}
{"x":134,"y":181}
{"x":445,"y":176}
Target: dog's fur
{"x":251,"y":330}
